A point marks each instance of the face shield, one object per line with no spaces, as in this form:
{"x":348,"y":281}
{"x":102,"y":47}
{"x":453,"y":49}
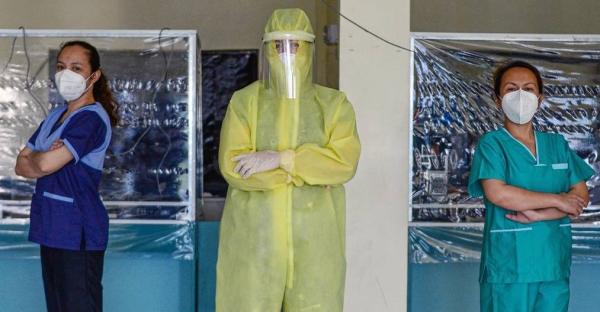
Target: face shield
{"x":287,"y":60}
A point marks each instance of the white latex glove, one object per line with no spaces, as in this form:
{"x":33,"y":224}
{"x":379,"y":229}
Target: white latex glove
{"x":251,"y":163}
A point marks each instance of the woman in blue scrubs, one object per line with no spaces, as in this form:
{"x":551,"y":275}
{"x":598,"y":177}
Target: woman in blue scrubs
{"x":66,"y":155}
{"x":532,"y":183}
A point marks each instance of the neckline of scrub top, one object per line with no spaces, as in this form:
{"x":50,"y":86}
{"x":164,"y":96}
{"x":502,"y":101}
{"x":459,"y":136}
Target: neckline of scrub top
{"x":536,"y":157}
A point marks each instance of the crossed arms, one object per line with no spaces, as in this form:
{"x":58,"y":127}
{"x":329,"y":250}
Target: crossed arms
{"x":36,"y":164}
{"x":535,"y":206}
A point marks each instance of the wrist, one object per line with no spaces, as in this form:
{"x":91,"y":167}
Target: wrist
{"x":556,"y":201}
{"x":286,"y":160}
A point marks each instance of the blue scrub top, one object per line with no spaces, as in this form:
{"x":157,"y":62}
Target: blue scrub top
{"x":66,"y":203}
{"x":514,"y":252}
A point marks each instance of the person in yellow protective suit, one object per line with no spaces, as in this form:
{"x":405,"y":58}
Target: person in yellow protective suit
{"x":287,"y":147}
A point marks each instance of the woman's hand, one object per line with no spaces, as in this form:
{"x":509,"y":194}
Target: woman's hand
{"x":572,"y":205}
{"x":527,"y":216}
{"x":56,"y":144}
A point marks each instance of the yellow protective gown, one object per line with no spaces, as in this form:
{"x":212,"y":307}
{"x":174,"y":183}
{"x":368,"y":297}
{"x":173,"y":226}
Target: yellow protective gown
{"x":283,"y":243}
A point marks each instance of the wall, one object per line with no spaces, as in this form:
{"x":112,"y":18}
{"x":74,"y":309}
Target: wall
{"x":534,"y":16}
{"x":221,"y":25}
{"x":143,"y":269}
{"x":375,"y":77}
{"x":327,"y":54}
{"x":376,"y":197}
{"x":453,"y":286}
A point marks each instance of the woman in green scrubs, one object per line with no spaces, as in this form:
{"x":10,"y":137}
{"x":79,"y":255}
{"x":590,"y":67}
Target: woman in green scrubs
{"x":532,"y":183}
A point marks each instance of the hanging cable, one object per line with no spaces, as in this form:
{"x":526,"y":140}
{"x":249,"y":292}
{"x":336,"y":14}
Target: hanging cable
{"x":363,"y":28}
{"x":27,"y":82}
{"x":162,"y":82}
{"x":12,"y":50}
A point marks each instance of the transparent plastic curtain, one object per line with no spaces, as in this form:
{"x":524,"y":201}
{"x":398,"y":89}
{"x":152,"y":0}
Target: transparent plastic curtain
{"x":453,"y":106}
{"x":149,"y":170}
{"x":142,"y":241}
{"x":436,"y":244}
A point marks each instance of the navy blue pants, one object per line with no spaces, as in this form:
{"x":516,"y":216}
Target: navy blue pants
{"x":72,"y":279}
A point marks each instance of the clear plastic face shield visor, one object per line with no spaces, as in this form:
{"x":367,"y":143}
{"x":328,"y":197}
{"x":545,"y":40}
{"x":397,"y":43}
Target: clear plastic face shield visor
{"x":287,"y":59}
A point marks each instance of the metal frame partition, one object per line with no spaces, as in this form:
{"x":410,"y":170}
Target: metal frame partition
{"x":453,"y":106}
{"x":153,"y":169}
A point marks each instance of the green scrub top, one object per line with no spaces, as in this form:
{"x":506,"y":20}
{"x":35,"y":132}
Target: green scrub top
{"x":514,"y":252}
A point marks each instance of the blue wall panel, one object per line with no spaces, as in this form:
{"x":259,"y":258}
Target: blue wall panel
{"x":154,"y":275}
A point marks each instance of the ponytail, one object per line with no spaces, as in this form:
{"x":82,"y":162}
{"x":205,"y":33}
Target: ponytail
{"x":103,"y":95}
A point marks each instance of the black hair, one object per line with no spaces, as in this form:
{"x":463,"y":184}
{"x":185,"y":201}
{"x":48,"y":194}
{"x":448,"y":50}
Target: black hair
{"x":101,"y":90}
{"x":508,"y":64}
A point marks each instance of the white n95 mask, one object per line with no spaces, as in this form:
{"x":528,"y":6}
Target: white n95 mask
{"x":519,"y":106}
{"x":287,"y":58}
{"x":70,"y":84}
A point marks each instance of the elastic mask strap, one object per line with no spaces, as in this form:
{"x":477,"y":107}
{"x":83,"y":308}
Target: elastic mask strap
{"x":88,"y":78}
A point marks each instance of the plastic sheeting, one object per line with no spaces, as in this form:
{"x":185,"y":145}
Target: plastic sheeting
{"x":453,"y":106}
{"x":171,"y":241}
{"x":437,"y":244}
{"x":150,"y":167}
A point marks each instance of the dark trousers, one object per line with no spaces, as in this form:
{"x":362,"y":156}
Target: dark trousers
{"x":72,"y":279}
